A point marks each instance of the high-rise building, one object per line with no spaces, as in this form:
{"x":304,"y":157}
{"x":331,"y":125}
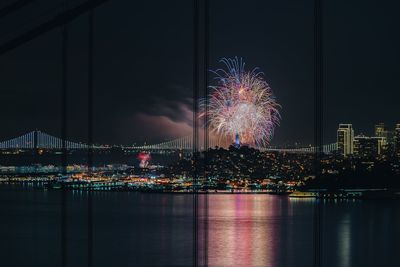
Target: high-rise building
{"x":397,"y":139}
{"x":345,"y":136}
{"x":368,"y":147}
{"x":380,"y":130}
{"x":390,"y":135}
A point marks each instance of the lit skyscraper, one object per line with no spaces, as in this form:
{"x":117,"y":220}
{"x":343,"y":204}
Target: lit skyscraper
{"x":345,"y":136}
{"x":380,"y":130}
{"x":383,"y":135}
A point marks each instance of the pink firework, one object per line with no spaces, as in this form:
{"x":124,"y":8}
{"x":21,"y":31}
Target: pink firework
{"x":241,"y":106}
{"x":144,"y":159}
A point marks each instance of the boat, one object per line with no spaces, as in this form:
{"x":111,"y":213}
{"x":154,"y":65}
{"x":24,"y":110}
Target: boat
{"x":303,"y":194}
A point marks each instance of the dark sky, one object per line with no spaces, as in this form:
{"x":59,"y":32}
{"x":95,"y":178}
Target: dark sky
{"x":143,"y":66}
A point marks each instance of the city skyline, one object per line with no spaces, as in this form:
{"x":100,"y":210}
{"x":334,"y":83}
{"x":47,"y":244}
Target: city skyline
{"x":382,"y":141}
{"x":384,"y":131}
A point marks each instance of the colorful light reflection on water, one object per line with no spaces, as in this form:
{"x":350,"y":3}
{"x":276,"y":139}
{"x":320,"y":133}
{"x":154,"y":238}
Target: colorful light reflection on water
{"x":255,"y":230}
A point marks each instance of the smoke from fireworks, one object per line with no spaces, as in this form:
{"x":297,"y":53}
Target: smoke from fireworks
{"x":241,"y":106}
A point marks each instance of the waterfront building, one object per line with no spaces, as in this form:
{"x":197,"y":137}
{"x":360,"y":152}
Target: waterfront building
{"x":368,"y":147}
{"x":345,"y":136}
{"x":380,"y":130}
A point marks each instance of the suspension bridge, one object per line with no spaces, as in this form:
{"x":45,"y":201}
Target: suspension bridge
{"x":186,"y":143}
{"x":42,"y":140}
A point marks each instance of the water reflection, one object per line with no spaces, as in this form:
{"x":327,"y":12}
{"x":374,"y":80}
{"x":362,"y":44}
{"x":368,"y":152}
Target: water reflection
{"x":255,"y":230}
{"x":135,"y":229}
{"x":344,"y":237}
{"x":360,"y":233}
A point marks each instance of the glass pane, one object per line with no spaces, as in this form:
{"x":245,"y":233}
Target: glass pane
{"x":143,"y":100}
{"x":130,"y":187}
{"x":30,"y":221}
{"x":251,"y":220}
{"x":359,"y":225}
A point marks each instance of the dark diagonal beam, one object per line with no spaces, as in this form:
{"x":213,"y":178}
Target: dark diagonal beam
{"x":5,"y":11}
{"x":55,"y":22}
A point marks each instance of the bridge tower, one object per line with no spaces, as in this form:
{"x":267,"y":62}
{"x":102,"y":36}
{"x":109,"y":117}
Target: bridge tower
{"x":35,"y":139}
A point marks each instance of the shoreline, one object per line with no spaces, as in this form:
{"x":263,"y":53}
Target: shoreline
{"x":342,"y":194}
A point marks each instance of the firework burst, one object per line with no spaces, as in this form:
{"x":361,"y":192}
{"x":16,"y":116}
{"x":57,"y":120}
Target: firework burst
{"x":241,"y":106}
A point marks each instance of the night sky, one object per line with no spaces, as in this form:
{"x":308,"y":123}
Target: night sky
{"x":143,"y":67}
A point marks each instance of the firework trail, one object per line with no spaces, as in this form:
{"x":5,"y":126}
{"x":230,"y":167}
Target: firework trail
{"x":241,"y":106}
